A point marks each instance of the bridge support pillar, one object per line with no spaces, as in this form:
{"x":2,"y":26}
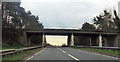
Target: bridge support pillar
{"x":69,"y":40}
{"x":43,"y":40}
{"x":90,"y":42}
{"x":117,"y":41}
{"x":23,"y":39}
{"x":28,"y":40}
{"x":100,"y":40}
{"x":72,"y":40}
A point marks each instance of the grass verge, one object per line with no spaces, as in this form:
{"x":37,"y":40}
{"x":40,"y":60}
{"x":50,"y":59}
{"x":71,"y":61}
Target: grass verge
{"x":4,"y":47}
{"x":22,"y":55}
{"x":12,"y":47}
{"x":101,"y":51}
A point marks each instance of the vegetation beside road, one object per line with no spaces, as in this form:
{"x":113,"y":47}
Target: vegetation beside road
{"x":22,"y":55}
{"x":15,"y":46}
{"x":115,"y":53}
{"x":14,"y":19}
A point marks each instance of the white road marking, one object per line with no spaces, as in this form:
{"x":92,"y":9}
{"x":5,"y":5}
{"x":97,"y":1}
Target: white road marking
{"x":63,"y":51}
{"x":73,"y":57}
{"x":59,"y":49}
{"x":99,"y":54}
{"x":34,"y":55}
{"x":69,"y":55}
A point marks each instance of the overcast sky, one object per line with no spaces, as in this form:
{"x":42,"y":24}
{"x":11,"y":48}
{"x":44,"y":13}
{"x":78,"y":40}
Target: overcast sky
{"x":67,"y":13}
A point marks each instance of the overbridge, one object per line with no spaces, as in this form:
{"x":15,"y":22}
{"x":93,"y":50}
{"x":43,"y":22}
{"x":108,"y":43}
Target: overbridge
{"x":86,"y":38}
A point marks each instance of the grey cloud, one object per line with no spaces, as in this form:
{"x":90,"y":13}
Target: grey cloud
{"x":64,"y":15}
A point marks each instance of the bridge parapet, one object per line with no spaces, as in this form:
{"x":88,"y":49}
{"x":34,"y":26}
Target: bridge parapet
{"x":77,"y":31}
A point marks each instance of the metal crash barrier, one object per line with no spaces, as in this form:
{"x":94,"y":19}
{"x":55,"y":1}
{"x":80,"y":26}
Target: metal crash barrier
{"x":14,"y":51}
{"x":97,"y":47}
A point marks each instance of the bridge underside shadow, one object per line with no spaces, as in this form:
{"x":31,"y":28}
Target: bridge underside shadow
{"x":39,"y":38}
{"x":94,"y":40}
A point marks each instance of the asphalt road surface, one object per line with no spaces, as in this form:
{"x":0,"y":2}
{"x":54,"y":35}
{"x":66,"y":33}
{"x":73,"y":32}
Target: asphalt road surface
{"x":64,"y":53}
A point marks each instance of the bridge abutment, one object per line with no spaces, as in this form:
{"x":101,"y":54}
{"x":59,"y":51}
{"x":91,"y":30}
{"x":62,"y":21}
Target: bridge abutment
{"x":23,"y":38}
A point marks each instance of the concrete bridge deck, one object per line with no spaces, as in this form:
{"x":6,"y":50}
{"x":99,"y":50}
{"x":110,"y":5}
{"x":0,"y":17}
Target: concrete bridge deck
{"x":68,"y":31}
{"x":94,"y":37}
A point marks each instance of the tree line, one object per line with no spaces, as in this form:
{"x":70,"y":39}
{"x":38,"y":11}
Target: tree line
{"x":16,"y":17}
{"x":106,"y":21}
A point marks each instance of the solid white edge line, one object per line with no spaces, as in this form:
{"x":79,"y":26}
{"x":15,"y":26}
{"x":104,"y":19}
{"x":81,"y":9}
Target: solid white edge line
{"x":99,"y":54}
{"x":34,"y":55}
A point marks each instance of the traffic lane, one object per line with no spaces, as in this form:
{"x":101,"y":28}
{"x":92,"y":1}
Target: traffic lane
{"x":83,"y":55}
{"x":51,"y":54}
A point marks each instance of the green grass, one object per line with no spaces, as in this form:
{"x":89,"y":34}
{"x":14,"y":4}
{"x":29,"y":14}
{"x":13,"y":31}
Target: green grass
{"x":101,"y":51}
{"x":21,"y":55}
{"x":14,"y":46}
{"x":17,"y":46}
{"x":0,"y":58}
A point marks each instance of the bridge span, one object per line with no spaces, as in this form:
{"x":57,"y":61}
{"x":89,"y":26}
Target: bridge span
{"x":87,"y":38}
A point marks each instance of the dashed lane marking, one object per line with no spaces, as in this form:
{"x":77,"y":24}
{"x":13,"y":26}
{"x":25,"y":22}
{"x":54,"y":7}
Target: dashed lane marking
{"x":69,"y":55}
{"x":63,"y":51}
{"x":73,"y":57}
